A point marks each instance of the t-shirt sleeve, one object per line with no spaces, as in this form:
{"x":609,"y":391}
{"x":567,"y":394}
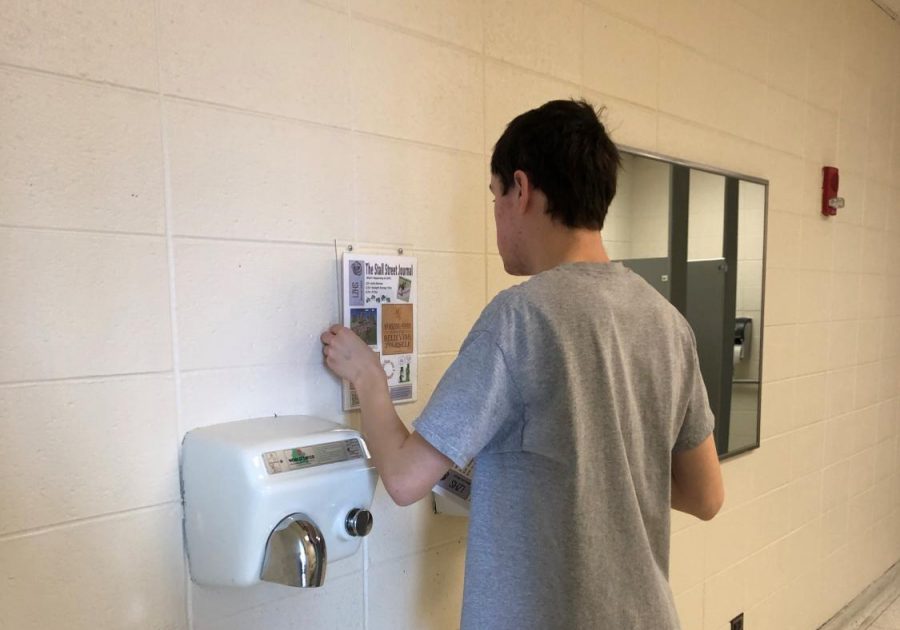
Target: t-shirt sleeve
{"x":698,"y":420}
{"x":474,"y":400}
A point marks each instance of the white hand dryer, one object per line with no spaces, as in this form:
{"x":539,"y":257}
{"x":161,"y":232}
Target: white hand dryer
{"x":274,"y":499}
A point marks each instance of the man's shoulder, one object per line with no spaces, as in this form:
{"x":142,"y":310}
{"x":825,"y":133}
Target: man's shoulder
{"x":511,"y":298}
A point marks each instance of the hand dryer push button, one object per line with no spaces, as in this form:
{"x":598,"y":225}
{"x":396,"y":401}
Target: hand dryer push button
{"x":359,"y":522}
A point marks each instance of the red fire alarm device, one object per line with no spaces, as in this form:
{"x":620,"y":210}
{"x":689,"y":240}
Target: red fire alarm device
{"x":830,"y":200}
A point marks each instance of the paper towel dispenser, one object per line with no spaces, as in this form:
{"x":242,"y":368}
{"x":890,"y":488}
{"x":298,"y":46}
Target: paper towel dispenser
{"x":274,"y":499}
{"x":743,"y":330}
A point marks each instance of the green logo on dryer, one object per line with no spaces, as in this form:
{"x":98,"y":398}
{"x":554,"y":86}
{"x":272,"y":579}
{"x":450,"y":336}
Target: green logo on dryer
{"x":299,"y":457}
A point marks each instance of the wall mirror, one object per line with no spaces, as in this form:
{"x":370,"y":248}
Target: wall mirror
{"x":697,"y":234}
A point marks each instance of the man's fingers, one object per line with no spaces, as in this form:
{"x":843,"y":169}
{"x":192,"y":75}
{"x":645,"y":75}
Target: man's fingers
{"x":331,"y":335}
{"x":332,"y":332}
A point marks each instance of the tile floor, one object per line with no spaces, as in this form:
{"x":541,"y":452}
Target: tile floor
{"x":889,"y":619}
{"x":876,"y":608}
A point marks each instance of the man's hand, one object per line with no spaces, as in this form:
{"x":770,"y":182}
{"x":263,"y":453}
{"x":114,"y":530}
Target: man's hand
{"x":348,"y":356}
{"x":408,"y":465}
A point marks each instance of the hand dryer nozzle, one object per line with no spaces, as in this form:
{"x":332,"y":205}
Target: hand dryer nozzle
{"x":295,"y":553}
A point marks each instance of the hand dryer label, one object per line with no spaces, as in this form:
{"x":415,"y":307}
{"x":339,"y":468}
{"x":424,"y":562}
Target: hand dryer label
{"x":314,"y":455}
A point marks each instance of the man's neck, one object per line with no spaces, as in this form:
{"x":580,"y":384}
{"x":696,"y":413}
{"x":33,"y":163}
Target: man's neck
{"x":560,"y":245}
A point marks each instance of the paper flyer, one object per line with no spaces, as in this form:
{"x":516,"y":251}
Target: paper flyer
{"x":379,"y":305}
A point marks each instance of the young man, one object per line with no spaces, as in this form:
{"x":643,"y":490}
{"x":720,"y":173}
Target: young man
{"x":578,"y":393}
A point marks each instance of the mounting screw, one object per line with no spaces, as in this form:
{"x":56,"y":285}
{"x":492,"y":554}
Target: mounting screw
{"x":349,"y":248}
{"x":400,"y":250}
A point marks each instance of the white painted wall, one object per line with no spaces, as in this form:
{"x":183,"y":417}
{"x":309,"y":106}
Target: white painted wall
{"x":173,"y":175}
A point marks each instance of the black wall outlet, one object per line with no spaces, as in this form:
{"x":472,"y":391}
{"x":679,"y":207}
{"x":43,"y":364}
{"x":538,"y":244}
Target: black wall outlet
{"x":738,"y":622}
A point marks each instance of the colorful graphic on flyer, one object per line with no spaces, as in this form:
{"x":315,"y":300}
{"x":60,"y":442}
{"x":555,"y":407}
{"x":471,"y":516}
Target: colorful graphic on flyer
{"x":364,"y":322}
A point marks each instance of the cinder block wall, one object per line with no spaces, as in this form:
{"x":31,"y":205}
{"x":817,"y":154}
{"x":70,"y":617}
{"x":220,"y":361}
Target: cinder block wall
{"x":173,"y":177}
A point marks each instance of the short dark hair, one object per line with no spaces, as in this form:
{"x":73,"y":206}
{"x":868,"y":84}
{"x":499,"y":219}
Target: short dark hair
{"x":564,"y":149}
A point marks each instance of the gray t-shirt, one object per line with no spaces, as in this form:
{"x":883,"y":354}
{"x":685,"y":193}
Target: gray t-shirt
{"x":571,"y":392}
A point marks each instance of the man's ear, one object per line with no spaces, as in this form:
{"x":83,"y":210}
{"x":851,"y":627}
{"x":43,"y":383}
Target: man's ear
{"x":524,"y":189}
